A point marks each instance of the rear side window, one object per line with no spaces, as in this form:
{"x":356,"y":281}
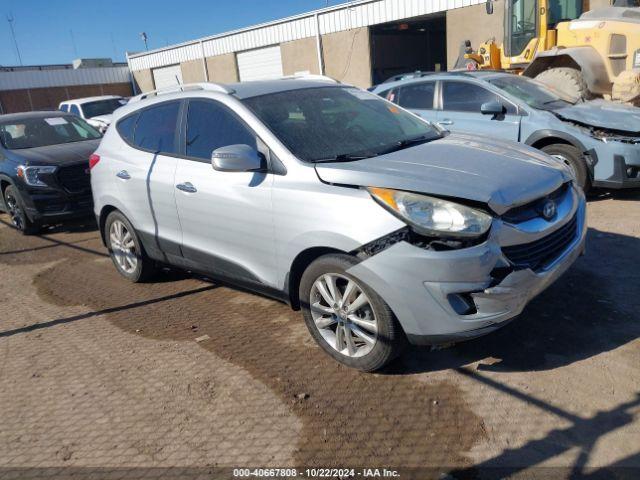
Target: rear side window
{"x":418,"y":96}
{"x":126,"y":127}
{"x":64,"y":108}
{"x":468,"y":97}
{"x":75,"y":110}
{"x":156,"y":128}
{"x":211,"y":125}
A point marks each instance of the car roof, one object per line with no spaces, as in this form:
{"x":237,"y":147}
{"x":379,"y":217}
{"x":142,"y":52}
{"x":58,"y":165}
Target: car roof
{"x":264,"y":87}
{"x":91,"y":99}
{"x":12,"y":117}
{"x":456,"y":74}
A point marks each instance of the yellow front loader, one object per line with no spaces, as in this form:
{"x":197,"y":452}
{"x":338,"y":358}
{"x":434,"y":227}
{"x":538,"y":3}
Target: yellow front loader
{"x":588,"y":55}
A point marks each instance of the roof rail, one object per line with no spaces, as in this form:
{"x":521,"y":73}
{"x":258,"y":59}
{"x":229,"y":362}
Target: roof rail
{"x":208,"y":86}
{"x":309,"y":76}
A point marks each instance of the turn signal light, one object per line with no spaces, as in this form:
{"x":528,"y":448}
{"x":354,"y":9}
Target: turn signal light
{"x":93,"y":160}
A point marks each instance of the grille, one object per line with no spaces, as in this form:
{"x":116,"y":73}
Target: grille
{"x":75,"y":179}
{"x":533,"y":209}
{"x":537,"y":255}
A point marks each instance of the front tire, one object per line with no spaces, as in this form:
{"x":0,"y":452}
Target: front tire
{"x":126,"y":250}
{"x":16,"y":210}
{"x":347,"y":318}
{"x":566,"y":80}
{"x":572,"y":157}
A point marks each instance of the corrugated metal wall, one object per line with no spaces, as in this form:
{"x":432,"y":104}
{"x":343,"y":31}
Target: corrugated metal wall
{"x":26,"y":79}
{"x":334,"y":19}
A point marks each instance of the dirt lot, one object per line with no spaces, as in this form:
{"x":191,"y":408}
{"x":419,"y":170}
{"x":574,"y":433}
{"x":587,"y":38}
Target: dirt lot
{"x":98,"y":375}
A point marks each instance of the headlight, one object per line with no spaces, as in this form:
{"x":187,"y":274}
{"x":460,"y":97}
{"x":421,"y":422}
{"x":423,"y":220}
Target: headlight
{"x":433,"y":216}
{"x":32,"y":175}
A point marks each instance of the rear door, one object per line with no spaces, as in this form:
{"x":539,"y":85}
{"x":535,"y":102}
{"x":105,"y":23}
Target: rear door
{"x":145,"y":174}
{"x":226,"y":217}
{"x":460,"y":111}
{"x":419,"y":98}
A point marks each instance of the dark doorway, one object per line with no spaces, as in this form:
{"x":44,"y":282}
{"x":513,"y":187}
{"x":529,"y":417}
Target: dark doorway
{"x":407,"y":46}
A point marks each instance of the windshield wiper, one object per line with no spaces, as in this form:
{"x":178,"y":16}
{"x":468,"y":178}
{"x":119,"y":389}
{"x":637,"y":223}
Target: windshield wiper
{"x":409,"y":142}
{"x":344,"y":157}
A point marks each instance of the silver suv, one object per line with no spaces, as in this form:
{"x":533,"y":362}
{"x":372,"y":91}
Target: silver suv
{"x":380,"y":227}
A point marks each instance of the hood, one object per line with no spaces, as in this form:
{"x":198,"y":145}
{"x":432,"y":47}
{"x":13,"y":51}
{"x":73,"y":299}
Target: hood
{"x":500,"y":174}
{"x":603,"y":114}
{"x":106,"y":119}
{"x":60,"y":155}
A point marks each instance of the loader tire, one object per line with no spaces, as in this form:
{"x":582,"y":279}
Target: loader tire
{"x":566,"y":80}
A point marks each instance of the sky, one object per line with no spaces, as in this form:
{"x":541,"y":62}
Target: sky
{"x":58,"y":31}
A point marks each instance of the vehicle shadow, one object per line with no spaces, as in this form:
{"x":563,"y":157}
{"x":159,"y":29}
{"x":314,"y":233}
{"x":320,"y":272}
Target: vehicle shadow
{"x":624,"y":195}
{"x":592,"y":309}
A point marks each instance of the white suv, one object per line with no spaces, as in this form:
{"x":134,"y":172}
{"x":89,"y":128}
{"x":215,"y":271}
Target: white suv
{"x":97,"y":111}
{"x":379,"y":226}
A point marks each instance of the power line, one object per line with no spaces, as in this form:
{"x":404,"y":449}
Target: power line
{"x":11,"y":19}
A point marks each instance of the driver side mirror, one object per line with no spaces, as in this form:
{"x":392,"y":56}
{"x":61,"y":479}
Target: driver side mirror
{"x":493,"y":108}
{"x":489,"y":7}
{"x":237,"y":158}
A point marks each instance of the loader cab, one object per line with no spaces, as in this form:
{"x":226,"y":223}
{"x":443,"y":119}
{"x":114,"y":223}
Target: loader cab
{"x":528,"y":25}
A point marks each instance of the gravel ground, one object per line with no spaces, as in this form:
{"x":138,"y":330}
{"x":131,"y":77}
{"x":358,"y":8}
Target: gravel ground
{"x":96,"y":373}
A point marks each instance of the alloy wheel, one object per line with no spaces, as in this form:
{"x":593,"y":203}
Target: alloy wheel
{"x":15,"y":212}
{"x":343,"y":315}
{"x":123,"y":247}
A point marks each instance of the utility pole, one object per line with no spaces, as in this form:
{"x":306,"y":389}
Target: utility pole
{"x":10,"y":19}
{"x":73,"y":43}
{"x":143,"y":35}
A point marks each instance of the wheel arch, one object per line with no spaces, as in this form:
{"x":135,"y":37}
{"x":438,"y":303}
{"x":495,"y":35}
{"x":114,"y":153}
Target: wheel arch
{"x":102,"y":219}
{"x":5,"y":182}
{"x":298,"y":266}
{"x":543,"y":138}
{"x":585,"y":59}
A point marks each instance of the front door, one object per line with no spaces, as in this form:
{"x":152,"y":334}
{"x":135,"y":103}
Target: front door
{"x":226,"y":217}
{"x":461,"y":103}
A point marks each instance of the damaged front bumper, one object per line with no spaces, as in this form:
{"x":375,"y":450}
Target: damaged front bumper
{"x":448,"y":296}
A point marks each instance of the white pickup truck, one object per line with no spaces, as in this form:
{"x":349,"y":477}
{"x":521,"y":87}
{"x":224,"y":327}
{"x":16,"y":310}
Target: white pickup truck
{"x":95,"y":110}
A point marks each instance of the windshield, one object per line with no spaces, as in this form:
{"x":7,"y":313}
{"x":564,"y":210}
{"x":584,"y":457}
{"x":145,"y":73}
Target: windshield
{"x":321,"y":124}
{"x":101,"y":107}
{"x":533,"y":93}
{"x":43,"y":131}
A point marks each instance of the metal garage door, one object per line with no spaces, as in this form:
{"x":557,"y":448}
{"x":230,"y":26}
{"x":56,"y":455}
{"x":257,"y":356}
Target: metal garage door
{"x":167,"y":76}
{"x":260,"y":63}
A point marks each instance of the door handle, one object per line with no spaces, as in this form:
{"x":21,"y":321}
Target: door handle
{"x":123,"y":174}
{"x":186,"y":187}
{"x":445,"y":122}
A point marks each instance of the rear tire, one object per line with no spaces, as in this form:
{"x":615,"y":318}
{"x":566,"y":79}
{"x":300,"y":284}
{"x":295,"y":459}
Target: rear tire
{"x":366,"y":338}
{"x":572,"y":157}
{"x":15,"y":209}
{"x":567,"y":80}
{"x":126,"y":249}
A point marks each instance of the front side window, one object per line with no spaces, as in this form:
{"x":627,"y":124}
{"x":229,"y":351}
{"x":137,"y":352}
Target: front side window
{"x":533,"y":93}
{"x":101,"y":107}
{"x":465,"y":97}
{"x":417,"y":95}
{"x":44,"y":131}
{"x":335,"y":123}
{"x":563,"y":10}
{"x":211,"y":125}
{"x":521,"y":25}
{"x":75,"y":110}
{"x":155,"y":130}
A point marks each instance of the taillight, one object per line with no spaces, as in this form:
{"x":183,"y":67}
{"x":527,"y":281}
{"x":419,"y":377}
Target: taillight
{"x":93,"y":160}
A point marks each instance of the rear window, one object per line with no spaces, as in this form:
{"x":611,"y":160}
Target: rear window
{"x":44,"y":131}
{"x":155,"y":130}
{"x":126,"y":127}
{"x":101,"y":107}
